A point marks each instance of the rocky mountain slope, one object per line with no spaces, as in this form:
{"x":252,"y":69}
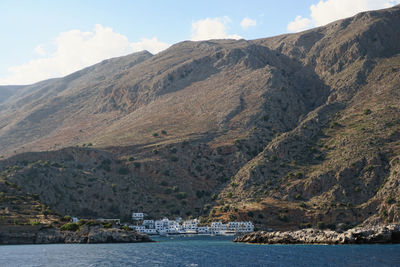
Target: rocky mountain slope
{"x":289,"y":131}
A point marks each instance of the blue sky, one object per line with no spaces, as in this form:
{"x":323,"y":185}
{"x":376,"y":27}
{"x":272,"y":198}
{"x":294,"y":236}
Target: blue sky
{"x":44,"y":39}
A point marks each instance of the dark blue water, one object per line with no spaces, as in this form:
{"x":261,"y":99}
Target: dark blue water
{"x":198,"y":251}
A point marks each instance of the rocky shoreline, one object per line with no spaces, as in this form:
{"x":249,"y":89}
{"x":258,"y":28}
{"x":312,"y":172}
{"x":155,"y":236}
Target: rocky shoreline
{"x":364,"y":235}
{"x":85,"y":235}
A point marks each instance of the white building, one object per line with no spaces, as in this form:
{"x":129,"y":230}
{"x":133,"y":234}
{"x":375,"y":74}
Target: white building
{"x":138,"y":228}
{"x":241,"y":226}
{"x":190,"y":224}
{"x":137,"y":216}
{"x":150,"y":231}
{"x":161,"y":225}
{"x":217,"y":228}
{"x":203,"y":230}
{"x":148,"y":223}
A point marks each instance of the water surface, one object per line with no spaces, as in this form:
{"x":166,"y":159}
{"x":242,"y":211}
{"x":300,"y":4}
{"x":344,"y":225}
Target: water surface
{"x":198,"y":251}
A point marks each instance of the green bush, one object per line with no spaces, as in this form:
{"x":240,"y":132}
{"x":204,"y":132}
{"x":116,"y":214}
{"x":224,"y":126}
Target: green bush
{"x":131,"y":158}
{"x":199,"y":194}
{"x":107,"y":168}
{"x":237,"y":142}
{"x":321,"y":225}
{"x":384,"y":214}
{"x":70,"y":227}
{"x":283,"y":218}
{"x":390,"y":200}
{"x":155,"y":134}
{"x":367,"y":111}
{"x":106,"y":162}
{"x":137,"y":164}
{"x":123,"y":171}
{"x":273,"y":158}
{"x":107,"y":225}
{"x":181,"y":195}
{"x":167,"y":191}
{"x":369,"y":168}
{"x":212,"y":212}
{"x":305,"y":225}
{"x":126,"y":228}
{"x":56,"y":165}
{"x":302,"y":205}
{"x":250,"y":214}
{"x":82,"y":222}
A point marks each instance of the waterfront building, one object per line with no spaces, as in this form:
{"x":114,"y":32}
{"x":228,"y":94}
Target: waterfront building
{"x":177,"y":226}
{"x":240,"y":226}
{"x":190,"y":224}
{"x":203,"y":230}
{"x":148,"y":223}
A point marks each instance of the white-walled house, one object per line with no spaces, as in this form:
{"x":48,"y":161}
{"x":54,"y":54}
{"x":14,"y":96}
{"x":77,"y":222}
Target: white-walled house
{"x":217,"y":226}
{"x":203,"y":230}
{"x":137,"y":216}
{"x":148,"y":223}
{"x":241,"y":226}
{"x":138,"y":228}
{"x":190,"y":224}
{"x":150,"y":231}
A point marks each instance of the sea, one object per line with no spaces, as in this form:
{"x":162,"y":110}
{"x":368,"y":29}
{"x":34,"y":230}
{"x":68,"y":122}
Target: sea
{"x":198,"y":251}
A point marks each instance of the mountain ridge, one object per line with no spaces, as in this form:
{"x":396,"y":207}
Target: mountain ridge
{"x":286,"y":131}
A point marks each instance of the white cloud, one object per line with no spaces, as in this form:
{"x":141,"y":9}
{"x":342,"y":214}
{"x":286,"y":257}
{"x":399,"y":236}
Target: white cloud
{"x":40,"y":50}
{"x":75,"y":50}
{"x":208,"y":28}
{"x":299,"y":24}
{"x":152,"y":45}
{"x":248,"y":22}
{"x":326,"y":11}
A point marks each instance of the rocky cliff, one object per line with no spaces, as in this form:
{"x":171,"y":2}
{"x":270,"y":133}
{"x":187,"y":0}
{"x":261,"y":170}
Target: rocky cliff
{"x":371,"y":235}
{"x":86,"y":234}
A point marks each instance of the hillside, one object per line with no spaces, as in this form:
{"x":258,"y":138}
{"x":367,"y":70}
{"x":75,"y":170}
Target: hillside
{"x":289,"y":131}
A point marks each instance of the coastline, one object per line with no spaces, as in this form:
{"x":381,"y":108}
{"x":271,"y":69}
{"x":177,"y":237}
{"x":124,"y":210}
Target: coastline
{"x":85,"y":235}
{"x":382,"y":234}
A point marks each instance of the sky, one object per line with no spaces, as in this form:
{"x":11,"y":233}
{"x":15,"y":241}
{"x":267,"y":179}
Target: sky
{"x":42,"y":39}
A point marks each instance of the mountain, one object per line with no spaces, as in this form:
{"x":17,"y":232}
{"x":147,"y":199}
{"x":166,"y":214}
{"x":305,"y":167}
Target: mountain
{"x":289,"y":131}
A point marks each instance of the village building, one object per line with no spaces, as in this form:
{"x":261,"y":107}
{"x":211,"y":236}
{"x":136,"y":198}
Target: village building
{"x":178,"y":226}
{"x":138,"y":216}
